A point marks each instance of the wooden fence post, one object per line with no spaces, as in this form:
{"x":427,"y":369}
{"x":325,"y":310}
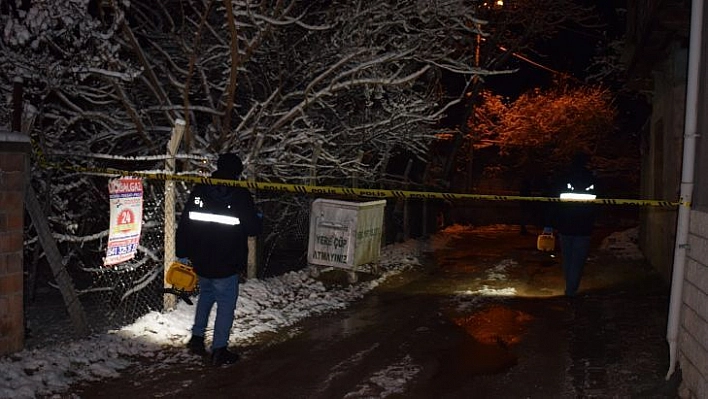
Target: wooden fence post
{"x":44,"y":233}
{"x":169,"y":300}
{"x":252,"y":261}
{"x":406,"y":205}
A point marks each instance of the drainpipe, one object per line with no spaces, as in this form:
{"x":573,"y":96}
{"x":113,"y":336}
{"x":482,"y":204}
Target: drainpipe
{"x":689,"y":157}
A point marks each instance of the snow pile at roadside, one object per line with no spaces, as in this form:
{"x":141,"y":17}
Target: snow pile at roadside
{"x":263,"y":305}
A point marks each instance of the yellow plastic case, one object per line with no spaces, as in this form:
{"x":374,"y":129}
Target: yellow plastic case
{"x":182,"y":277}
{"x":546,"y":242}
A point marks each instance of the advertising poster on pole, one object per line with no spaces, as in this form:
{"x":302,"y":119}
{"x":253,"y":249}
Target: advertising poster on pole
{"x":126,"y":202}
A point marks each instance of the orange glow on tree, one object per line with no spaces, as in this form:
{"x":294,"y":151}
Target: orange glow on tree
{"x":550,"y":125}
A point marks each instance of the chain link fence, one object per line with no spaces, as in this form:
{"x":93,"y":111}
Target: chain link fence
{"x":117,"y":295}
{"x":111,"y":296}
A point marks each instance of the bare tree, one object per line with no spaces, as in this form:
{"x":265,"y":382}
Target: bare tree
{"x":304,"y":90}
{"x":511,"y":32}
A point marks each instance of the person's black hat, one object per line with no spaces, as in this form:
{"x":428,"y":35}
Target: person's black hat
{"x":229,"y":165}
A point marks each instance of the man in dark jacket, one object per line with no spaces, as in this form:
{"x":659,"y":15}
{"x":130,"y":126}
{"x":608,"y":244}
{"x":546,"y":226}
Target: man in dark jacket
{"x":575,"y":221}
{"x":213,"y":234}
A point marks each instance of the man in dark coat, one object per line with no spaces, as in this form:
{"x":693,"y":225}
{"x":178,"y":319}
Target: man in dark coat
{"x":574,"y":221}
{"x":213,"y":234}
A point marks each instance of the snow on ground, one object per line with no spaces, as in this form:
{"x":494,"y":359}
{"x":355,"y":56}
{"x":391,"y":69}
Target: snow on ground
{"x":263,"y":305}
{"x":386,"y":382}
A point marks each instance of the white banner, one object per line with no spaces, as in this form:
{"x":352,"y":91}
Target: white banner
{"x":126,"y":202}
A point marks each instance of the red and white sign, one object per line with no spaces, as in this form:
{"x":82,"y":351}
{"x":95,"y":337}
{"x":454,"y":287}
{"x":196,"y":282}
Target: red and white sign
{"x":126,"y":202}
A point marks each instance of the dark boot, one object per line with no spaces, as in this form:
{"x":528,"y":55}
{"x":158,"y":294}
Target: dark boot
{"x":196,"y":345}
{"x":222,"y":355}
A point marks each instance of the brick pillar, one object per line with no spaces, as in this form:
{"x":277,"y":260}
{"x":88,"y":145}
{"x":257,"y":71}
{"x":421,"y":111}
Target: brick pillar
{"x":14,"y":167}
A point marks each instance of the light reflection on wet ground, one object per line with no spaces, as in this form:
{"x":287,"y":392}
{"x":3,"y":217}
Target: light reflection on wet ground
{"x":485,"y":319}
{"x":499,"y":289}
{"x":496,"y":325}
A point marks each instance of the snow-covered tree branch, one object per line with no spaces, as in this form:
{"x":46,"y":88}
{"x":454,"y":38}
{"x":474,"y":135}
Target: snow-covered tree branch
{"x":305,"y":90}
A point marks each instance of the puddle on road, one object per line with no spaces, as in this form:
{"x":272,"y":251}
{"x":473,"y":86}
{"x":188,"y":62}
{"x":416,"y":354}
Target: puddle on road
{"x":495,"y":324}
{"x":471,"y":358}
{"x":487,"y":347}
{"x":472,"y":278}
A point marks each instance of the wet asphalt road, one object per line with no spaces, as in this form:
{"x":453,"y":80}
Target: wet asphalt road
{"x":484,"y":319}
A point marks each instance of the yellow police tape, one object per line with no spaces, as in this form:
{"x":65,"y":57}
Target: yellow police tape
{"x":362,"y":192}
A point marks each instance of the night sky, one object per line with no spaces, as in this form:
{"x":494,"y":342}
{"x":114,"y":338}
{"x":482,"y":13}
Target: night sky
{"x":569,"y":52}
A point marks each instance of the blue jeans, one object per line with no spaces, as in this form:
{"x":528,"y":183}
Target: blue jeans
{"x":574,"y":250}
{"x":223,"y":292}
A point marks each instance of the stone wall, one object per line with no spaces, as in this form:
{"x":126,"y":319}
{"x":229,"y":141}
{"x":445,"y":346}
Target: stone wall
{"x":14,"y":165}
